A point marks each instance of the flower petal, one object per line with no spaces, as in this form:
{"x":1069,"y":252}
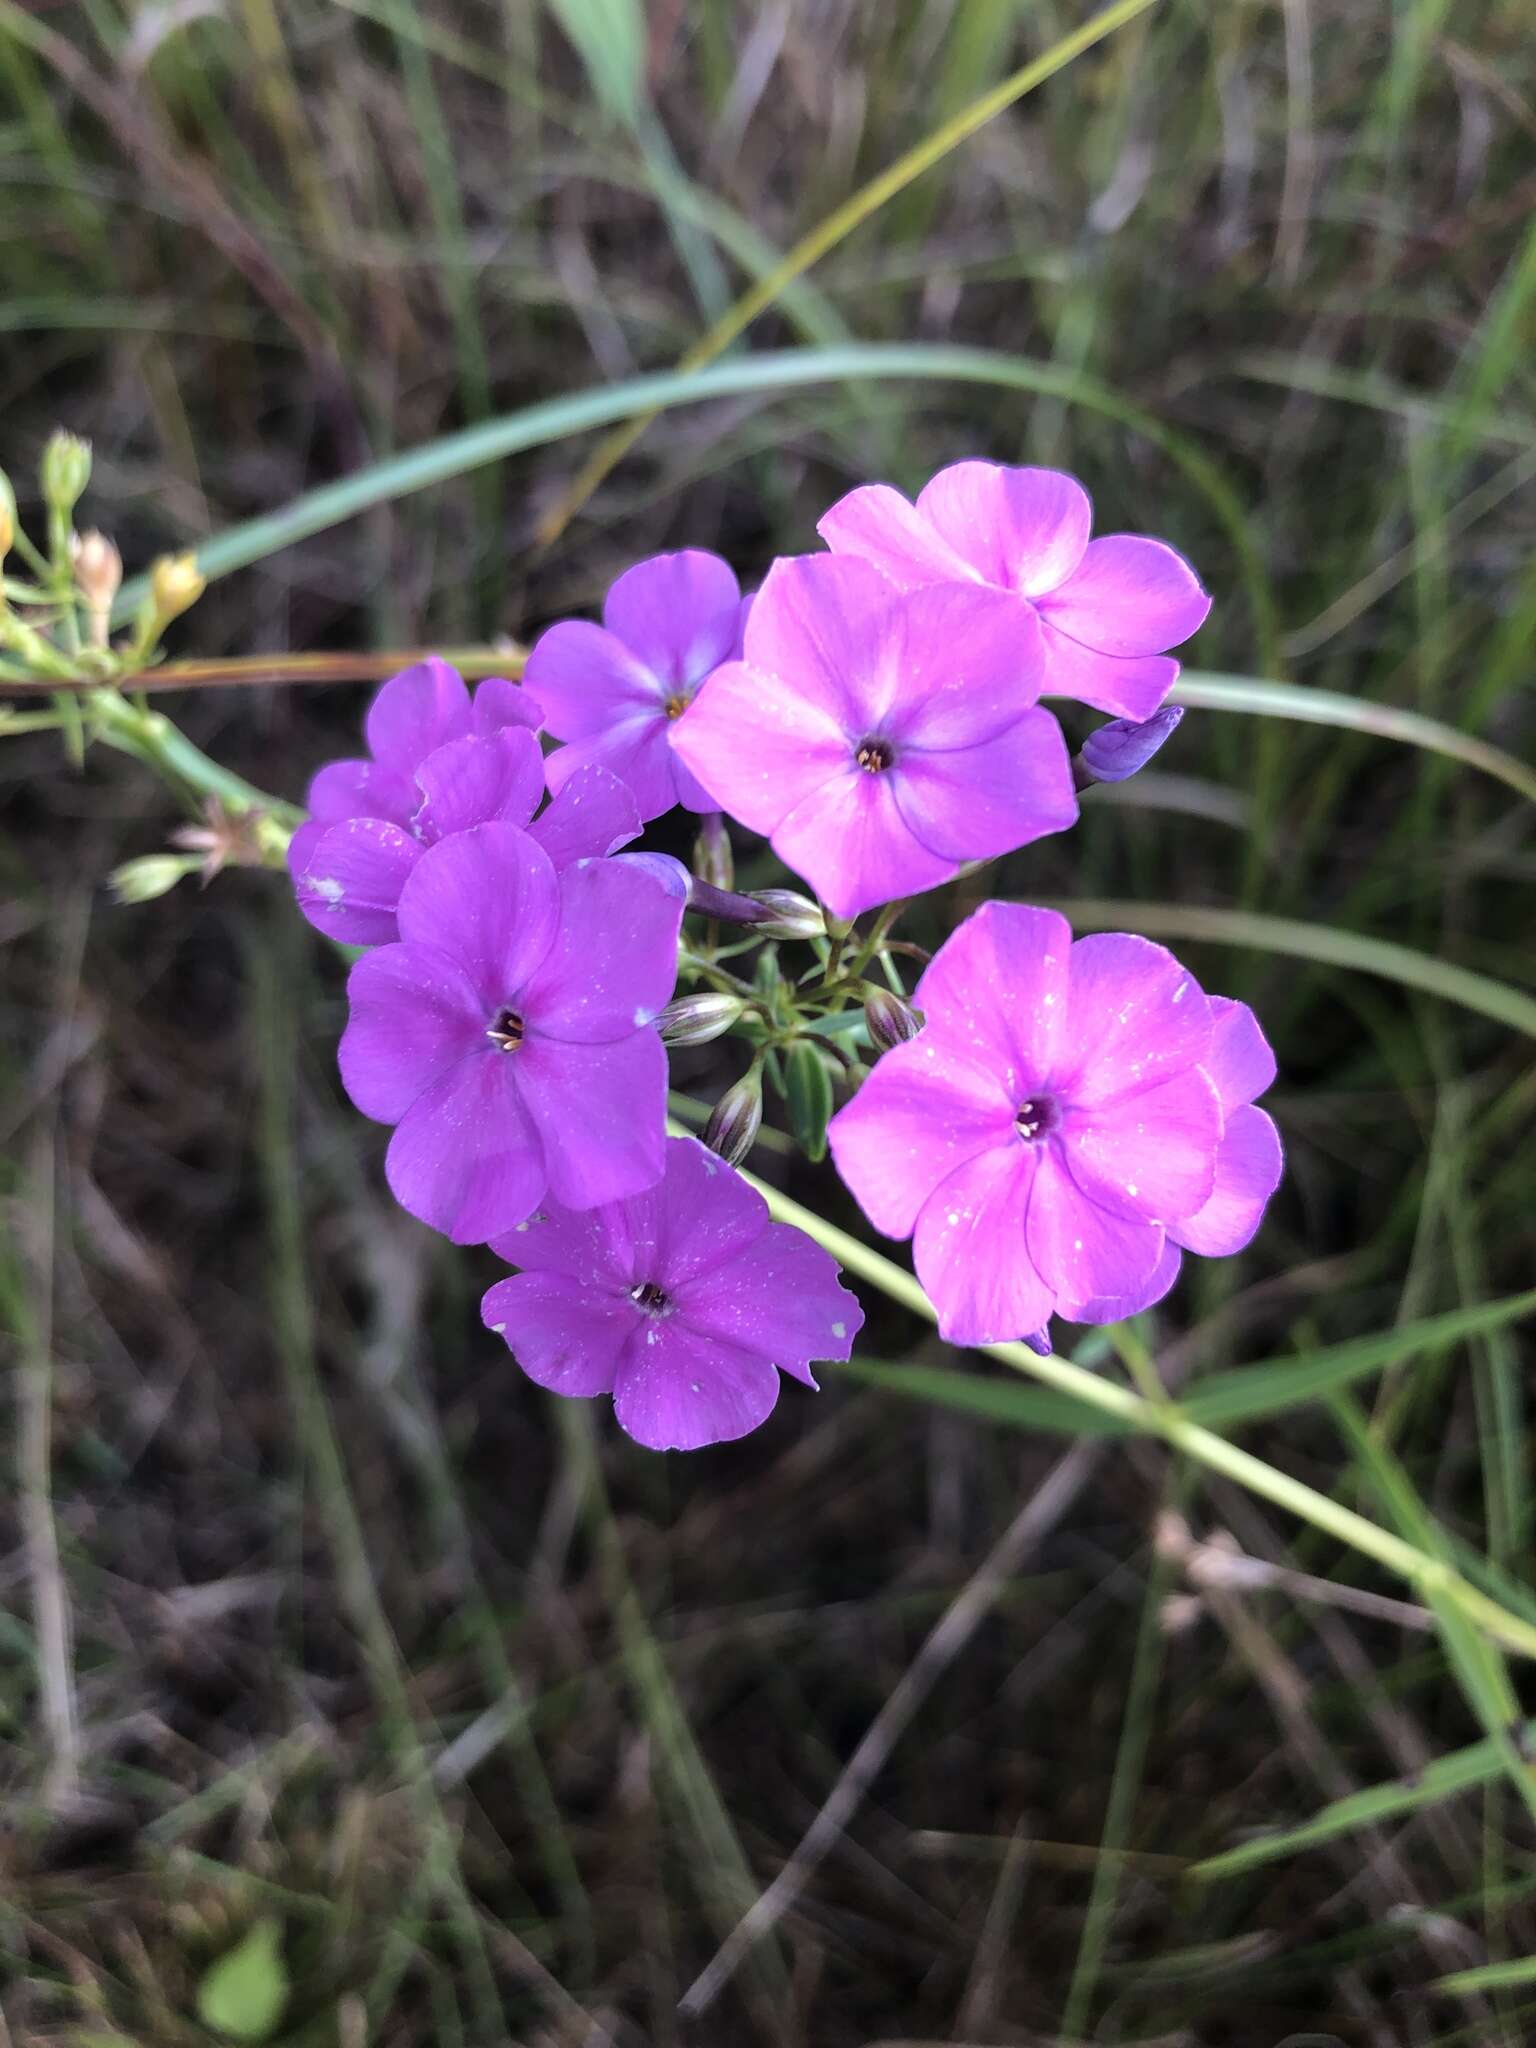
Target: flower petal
{"x":613,"y":962}
{"x":1151,"y":1155}
{"x":970,"y":1252}
{"x":922,"y":1113}
{"x":500,"y":703}
{"x":677,"y":613}
{"x":997,"y":991}
{"x":706,"y":1215}
{"x":1136,"y":1017}
{"x":959,"y":666}
{"x":819,"y":624}
{"x":758,"y":745}
{"x":588,"y":681}
{"x":876,"y":524}
{"x":413,"y":1014}
{"x":1024,"y":529}
{"x":609,"y":1244}
{"x":1240,"y":1061}
{"x":1131,"y":688}
{"x":1079,"y":1248}
{"x":601,"y":1113}
{"x":566,"y":1335}
{"x":489,"y":898}
{"x":466,"y":1157}
{"x":1248,"y":1169}
{"x":415,"y":712}
{"x":362,"y":789}
{"x":678,"y":1392}
{"x":635,"y":749}
{"x":592,"y":814}
{"x":780,"y":1298}
{"x":1128,"y":595}
{"x":1114,"y":1308}
{"x":973,"y":803}
{"x":475,"y":781}
{"x":852,"y":845}
{"x":352,"y":880}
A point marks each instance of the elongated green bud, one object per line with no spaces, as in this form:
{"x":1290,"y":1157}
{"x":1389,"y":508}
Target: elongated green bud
{"x":64,"y":471}
{"x":888,"y":1019}
{"x":736,"y":1119}
{"x":790,"y":915}
{"x":808,"y":1095}
{"x":712,"y":858}
{"x":695,"y":1020}
{"x":155,"y":874}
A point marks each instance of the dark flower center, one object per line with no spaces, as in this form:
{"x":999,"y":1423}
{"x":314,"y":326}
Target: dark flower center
{"x":874,"y":756}
{"x":1037,"y":1118}
{"x":650,"y":1297}
{"x":677,"y":704}
{"x":506,"y":1033}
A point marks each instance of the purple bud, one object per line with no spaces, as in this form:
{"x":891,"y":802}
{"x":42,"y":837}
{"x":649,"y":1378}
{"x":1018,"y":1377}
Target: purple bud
{"x":735,"y":1119}
{"x":1118,"y":749}
{"x":1039,"y":1341}
{"x":889,"y":1021}
{"x":695,"y":1020}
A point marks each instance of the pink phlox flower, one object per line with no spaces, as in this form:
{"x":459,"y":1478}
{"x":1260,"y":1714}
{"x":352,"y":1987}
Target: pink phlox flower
{"x":438,"y":764}
{"x":880,"y":737}
{"x":1107,"y":608}
{"x":614,"y":693}
{"x":508,"y":1033}
{"x":1069,"y":1118}
{"x":685,"y":1303}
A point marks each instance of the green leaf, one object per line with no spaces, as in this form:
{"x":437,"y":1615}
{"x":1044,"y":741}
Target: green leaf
{"x":1462,"y":1771}
{"x":609,"y":37}
{"x":1005,"y":1401}
{"x":808,"y":1094}
{"x":1250,"y":1391}
{"x":244,"y":1994}
{"x":1489,"y":1977}
{"x":1319,"y":942}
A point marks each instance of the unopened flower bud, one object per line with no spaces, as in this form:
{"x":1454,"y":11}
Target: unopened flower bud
{"x":156,"y":874}
{"x":695,"y":1020}
{"x":735,"y":1120}
{"x":790,"y":915}
{"x":175,"y":585}
{"x":1118,"y":749}
{"x":65,"y":470}
{"x":7,"y":515}
{"x":712,"y":858}
{"x":98,"y":574}
{"x":888,"y":1019}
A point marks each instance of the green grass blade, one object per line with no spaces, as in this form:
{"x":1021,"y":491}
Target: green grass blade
{"x":1316,"y":942}
{"x":1205,"y":691}
{"x":1250,"y":1391}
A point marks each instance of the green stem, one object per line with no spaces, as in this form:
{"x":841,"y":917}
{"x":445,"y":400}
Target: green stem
{"x":151,"y":738}
{"x":1434,"y":1579}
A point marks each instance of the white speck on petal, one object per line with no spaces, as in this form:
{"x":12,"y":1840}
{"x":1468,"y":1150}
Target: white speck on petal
{"x":1077,"y":1244}
{"x":1130,"y":1187}
{"x":642,"y":1017}
{"x":328,"y":887}
{"x":498,"y":1329}
{"x":839,"y":1329}
{"x":954,"y":1216}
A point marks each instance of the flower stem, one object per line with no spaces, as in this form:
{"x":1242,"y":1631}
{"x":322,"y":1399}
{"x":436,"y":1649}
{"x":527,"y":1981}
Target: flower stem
{"x":1433,"y":1578}
{"x":151,"y":738}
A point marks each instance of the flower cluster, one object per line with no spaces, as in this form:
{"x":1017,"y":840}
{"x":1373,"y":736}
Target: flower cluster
{"x":1052,"y":1123}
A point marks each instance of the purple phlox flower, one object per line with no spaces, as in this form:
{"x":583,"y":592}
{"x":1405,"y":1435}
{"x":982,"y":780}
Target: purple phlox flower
{"x":439,"y":765}
{"x":880,"y":737}
{"x":1069,"y":1117}
{"x":614,"y":692}
{"x":685,"y":1303}
{"x":508,"y":1035}
{"x":1107,"y":608}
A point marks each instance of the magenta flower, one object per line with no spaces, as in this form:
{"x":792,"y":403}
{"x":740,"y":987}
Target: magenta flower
{"x":685,"y":1303}
{"x":1107,"y":608}
{"x":880,"y":737}
{"x":614,"y":692}
{"x":508,"y":1036}
{"x":1069,"y":1116}
{"x":372,"y":820}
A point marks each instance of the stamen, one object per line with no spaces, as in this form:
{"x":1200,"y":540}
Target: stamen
{"x":873,"y":756}
{"x":649,"y":1296}
{"x":676,"y":704}
{"x":506,"y":1033}
{"x":1036,"y":1118}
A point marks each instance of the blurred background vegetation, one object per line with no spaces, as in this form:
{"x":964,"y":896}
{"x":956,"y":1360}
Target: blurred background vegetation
{"x":402,"y":1705}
